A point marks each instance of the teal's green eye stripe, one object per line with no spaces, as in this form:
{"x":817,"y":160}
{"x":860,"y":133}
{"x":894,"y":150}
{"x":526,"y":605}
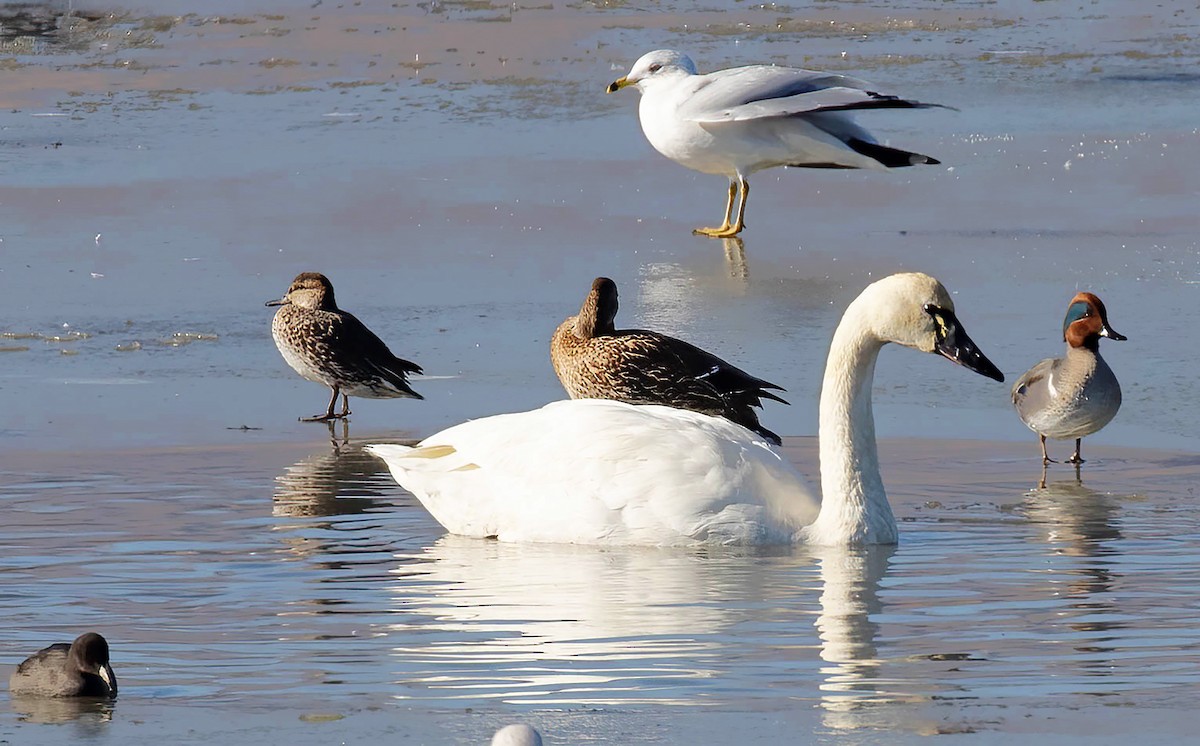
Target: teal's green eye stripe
{"x":1076,"y":312}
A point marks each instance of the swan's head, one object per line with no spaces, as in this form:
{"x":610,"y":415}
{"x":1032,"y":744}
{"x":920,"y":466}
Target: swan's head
{"x":915,"y":310}
{"x":661,"y":64}
{"x":309,"y":290}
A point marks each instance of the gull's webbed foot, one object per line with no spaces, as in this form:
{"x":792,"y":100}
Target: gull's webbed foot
{"x":725,"y":231}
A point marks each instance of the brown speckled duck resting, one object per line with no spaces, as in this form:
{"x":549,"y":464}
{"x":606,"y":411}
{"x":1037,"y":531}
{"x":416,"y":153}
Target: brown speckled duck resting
{"x":330,"y":346}
{"x":594,"y":360}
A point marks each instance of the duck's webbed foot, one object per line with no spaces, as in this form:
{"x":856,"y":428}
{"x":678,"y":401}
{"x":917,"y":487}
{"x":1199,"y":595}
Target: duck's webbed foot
{"x":329,"y":415}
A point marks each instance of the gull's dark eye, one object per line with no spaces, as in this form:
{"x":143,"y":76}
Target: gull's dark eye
{"x":655,"y":67}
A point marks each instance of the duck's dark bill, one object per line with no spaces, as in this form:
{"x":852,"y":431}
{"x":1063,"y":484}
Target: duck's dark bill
{"x":1111,"y":333}
{"x":955,"y":345}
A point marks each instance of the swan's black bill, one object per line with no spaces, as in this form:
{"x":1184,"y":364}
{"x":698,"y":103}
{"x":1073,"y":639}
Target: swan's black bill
{"x":954,"y":344}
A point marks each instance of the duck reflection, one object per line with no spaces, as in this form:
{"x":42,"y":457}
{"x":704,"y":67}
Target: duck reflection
{"x":89,"y":713}
{"x":343,"y":481}
{"x":333,"y":510}
{"x":1078,"y":520}
{"x":1082,"y":524}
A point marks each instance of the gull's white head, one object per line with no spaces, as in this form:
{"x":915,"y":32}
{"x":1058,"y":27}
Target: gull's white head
{"x":661,"y":64}
{"x":915,"y":310}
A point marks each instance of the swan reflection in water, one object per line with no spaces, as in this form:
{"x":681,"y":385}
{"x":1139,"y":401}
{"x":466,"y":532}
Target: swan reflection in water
{"x":551,"y":623}
{"x":850,"y":579}
{"x":566,"y":625}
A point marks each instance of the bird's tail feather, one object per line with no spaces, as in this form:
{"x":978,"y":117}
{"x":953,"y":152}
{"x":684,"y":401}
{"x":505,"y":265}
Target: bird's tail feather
{"x":396,"y":373}
{"x":890,"y":157}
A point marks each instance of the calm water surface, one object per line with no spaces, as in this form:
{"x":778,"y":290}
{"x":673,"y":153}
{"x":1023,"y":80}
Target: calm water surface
{"x":458,"y":172}
{"x":244,"y":581}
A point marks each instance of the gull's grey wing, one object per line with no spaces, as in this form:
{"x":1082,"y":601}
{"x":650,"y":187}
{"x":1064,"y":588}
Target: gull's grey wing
{"x":761,"y":91}
{"x":1032,"y":392}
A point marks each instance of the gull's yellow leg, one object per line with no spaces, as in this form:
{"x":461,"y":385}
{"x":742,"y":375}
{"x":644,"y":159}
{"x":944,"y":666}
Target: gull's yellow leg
{"x":733,"y":188}
{"x":741,"y":220}
{"x":727,"y":230}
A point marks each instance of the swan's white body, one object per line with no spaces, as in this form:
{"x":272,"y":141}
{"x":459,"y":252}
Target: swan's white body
{"x":594,"y":471}
{"x":604,"y":472}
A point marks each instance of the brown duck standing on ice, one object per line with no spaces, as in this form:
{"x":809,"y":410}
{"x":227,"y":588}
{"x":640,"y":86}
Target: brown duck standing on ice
{"x":330,"y":346}
{"x":594,"y":360}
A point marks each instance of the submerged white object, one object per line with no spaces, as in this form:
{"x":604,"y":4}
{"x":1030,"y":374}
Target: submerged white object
{"x":603,"y":472}
{"x":517,"y":734}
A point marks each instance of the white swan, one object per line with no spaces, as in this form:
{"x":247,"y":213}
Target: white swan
{"x":603,"y":472}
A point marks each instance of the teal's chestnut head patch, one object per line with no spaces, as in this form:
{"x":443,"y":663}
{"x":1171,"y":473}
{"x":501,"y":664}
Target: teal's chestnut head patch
{"x":1086,"y":321}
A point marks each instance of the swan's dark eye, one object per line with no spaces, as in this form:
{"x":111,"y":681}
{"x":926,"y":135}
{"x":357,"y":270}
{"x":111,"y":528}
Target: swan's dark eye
{"x":944,"y":320}
{"x":655,"y":67}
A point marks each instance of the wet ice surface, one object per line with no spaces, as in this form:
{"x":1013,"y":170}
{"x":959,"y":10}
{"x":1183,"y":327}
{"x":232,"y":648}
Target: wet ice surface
{"x":458,"y":173}
{"x":462,"y":179}
{"x":292,"y":590}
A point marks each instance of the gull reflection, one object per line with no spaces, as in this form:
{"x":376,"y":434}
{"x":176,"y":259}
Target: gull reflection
{"x":668,"y":300}
{"x":735,"y":258}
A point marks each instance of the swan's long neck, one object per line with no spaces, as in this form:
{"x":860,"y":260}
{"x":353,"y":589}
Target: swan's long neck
{"x":854,"y":505}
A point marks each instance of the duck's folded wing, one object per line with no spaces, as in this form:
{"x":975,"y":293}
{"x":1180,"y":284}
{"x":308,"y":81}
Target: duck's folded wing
{"x":51,"y":656}
{"x":368,"y":356}
{"x":1034,"y":390}
{"x":682,"y":372}
{"x":732,"y":381}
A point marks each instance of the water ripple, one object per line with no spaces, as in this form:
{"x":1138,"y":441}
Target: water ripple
{"x":326,"y":583}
